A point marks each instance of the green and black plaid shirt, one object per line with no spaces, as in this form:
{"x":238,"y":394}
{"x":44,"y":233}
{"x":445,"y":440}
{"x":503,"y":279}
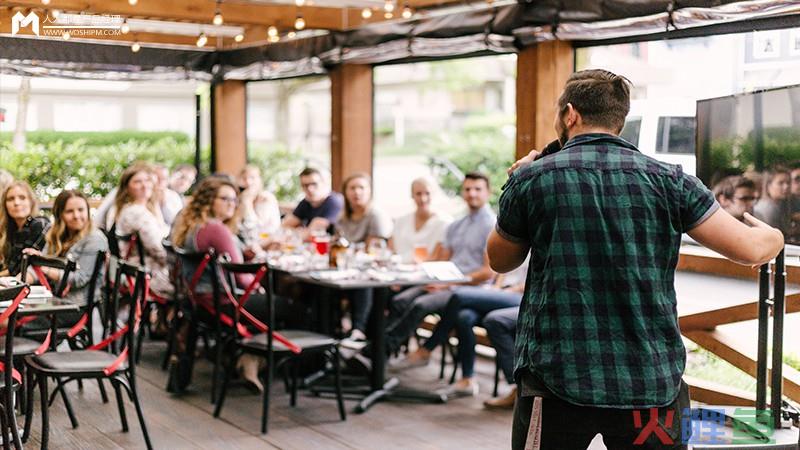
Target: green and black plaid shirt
{"x":598,"y":321}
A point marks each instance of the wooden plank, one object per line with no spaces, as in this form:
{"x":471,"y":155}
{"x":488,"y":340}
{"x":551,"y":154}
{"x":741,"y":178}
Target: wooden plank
{"x":351,"y":121}
{"x":740,"y":351}
{"x":717,"y":394}
{"x":708,"y":320}
{"x":702,"y":260}
{"x":230,"y":115}
{"x":542,"y":71}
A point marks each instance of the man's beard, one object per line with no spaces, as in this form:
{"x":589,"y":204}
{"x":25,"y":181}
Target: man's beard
{"x":563,"y":136}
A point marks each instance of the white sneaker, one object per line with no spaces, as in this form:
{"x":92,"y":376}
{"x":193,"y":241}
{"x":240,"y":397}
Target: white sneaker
{"x":454,"y":390}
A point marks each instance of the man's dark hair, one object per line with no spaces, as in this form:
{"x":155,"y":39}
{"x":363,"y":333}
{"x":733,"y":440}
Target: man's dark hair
{"x":727,"y":186}
{"x":478,"y":176}
{"x":308,"y":171}
{"x":602,"y":98}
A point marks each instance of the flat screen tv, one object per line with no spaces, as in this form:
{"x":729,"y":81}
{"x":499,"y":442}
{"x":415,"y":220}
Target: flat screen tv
{"x":754,"y":137}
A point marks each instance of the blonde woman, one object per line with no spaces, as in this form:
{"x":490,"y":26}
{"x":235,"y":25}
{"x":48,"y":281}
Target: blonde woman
{"x":20,"y":228}
{"x":258,"y":207}
{"x":136,"y":210}
{"x":72,"y":235}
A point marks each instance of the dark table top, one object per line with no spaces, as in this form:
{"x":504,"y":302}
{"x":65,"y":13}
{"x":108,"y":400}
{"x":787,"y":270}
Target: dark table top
{"x":54,"y":305}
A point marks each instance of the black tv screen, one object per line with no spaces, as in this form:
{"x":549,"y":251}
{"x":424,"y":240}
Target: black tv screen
{"x":748,"y":152}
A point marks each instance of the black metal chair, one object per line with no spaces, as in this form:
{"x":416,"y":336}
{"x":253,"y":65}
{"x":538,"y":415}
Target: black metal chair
{"x":104,"y":360}
{"x":290,"y":346}
{"x":11,"y":380}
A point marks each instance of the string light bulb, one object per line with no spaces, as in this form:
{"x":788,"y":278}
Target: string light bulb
{"x":272,"y":31}
{"x":366,"y":13}
{"x":136,"y":47}
{"x":217,"y":20}
{"x":55,"y":13}
{"x":299,"y":2}
{"x":201,"y":40}
{"x":407,"y":13}
{"x":125,"y":28}
{"x":274,"y":39}
{"x":45,"y":2}
{"x":388,"y":6}
{"x":133,"y":2}
{"x":299,"y":23}
{"x":239,"y":37}
{"x":291,"y":35}
{"x":388,"y":15}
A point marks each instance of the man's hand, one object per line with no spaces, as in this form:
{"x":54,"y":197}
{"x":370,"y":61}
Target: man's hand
{"x":32,"y":252}
{"x":524,"y":160}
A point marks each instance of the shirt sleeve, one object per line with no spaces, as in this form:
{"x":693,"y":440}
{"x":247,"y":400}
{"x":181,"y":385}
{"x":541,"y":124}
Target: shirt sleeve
{"x":333,"y":207}
{"x":697,"y":203}
{"x":217,"y":236}
{"x":301,"y":211}
{"x":86,"y":260}
{"x":512,"y":220}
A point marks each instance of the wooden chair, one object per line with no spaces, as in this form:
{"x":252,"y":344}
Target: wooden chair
{"x":104,"y":360}
{"x":11,"y":380}
{"x":288,"y":347}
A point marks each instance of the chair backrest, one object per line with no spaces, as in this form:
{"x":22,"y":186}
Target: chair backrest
{"x":66,"y":265}
{"x":91,"y":293}
{"x":138,"y":277}
{"x":14,"y":295}
{"x":134,"y":243}
{"x":204,"y":263}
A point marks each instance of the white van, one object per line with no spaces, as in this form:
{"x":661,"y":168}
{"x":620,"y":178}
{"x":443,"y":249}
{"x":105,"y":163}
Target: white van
{"x":663,"y":129}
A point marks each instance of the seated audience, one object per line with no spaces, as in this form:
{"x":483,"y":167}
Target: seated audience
{"x":774,"y":206}
{"x":465,"y":245}
{"x":166,"y":210}
{"x":72,"y":235}
{"x":169,"y":201}
{"x":20,"y":226}
{"x":360,"y":222}
{"x":422,"y":229}
{"x":319,"y":208}
{"x":209,"y":221}
{"x":135,"y":210}
{"x":182,"y":178}
{"x":466,"y":309}
{"x":737,"y":195}
{"x":258,"y":208}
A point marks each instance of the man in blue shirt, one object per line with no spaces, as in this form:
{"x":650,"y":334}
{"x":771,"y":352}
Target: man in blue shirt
{"x":320,"y":207}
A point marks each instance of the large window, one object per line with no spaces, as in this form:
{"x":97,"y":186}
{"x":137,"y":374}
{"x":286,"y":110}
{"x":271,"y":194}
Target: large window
{"x":442,"y":119}
{"x":289,"y":127}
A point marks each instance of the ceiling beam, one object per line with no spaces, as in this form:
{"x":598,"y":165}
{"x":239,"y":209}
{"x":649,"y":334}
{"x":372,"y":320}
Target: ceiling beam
{"x":202,"y":11}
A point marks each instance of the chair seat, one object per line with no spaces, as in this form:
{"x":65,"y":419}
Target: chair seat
{"x":306,"y":340}
{"x":81,"y":361}
{"x":22,"y":346}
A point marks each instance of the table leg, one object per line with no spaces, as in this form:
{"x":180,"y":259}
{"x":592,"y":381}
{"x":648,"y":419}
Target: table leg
{"x":53,"y":332}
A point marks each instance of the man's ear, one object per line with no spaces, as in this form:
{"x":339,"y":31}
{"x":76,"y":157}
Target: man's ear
{"x":571,"y":117}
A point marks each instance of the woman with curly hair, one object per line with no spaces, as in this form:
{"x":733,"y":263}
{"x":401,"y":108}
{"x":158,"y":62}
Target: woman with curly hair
{"x":136,"y":210}
{"x":210,"y":222}
{"x":20,"y":228}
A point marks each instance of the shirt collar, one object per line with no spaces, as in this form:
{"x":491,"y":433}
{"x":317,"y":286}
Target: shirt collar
{"x":597,"y":138}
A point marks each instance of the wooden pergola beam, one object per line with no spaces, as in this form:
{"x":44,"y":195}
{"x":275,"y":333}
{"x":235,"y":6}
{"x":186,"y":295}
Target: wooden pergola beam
{"x":542,"y":71}
{"x":229,"y":114}
{"x":202,"y":11}
{"x":351,"y":121}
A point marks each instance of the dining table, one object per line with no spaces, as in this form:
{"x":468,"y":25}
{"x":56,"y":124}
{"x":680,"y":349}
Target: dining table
{"x":381,"y":280}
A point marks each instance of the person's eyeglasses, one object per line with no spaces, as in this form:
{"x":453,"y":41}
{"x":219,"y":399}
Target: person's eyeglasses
{"x":232,"y":200}
{"x":308,"y":185}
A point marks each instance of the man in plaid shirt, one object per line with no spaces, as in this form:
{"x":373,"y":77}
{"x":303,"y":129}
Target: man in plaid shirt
{"x":598,"y":332}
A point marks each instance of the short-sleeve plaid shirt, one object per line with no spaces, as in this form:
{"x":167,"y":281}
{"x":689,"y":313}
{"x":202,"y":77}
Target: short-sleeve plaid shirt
{"x":598,"y":322}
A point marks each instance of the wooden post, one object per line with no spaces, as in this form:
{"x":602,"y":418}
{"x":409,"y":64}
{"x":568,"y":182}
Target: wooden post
{"x":542,"y":71}
{"x":351,"y":121}
{"x":229,"y":114}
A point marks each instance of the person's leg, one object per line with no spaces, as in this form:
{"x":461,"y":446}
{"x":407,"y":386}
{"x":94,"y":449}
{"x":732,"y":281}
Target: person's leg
{"x":467,"y":318}
{"x":446,"y":324}
{"x":401,"y":302}
{"x":361,"y":305}
{"x":501,"y":326}
{"x":423,"y":305}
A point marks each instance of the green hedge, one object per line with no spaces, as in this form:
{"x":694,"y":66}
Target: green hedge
{"x":279,"y":168}
{"x":95,"y":170}
{"x":98,"y":138}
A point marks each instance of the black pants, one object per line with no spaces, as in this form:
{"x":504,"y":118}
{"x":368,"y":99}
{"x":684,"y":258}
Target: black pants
{"x":566,"y":426}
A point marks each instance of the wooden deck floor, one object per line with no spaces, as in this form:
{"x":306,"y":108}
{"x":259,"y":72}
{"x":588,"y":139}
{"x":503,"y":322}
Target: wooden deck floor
{"x":185,"y":422}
